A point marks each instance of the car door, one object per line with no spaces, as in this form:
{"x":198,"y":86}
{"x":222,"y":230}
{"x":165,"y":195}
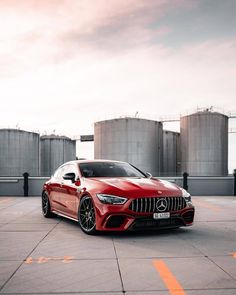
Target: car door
{"x":56,"y":193}
{"x":69,"y":192}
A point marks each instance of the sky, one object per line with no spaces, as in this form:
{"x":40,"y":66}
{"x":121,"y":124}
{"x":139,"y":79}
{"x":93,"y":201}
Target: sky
{"x":67,"y":63}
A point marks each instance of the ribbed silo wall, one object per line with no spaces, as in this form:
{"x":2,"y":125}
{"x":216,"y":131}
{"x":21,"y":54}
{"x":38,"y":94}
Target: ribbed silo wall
{"x":54,"y":151}
{"x":19,"y":152}
{"x":171,"y":155}
{"x":137,"y":141}
{"x":204,"y":144}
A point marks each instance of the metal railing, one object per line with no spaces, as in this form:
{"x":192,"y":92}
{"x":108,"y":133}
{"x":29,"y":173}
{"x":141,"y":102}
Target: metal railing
{"x":196,"y":185}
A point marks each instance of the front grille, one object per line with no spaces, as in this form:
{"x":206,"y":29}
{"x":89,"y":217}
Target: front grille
{"x":149,"y":205}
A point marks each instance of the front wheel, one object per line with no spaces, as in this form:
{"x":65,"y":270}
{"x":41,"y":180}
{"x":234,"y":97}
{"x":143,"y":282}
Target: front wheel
{"x":46,"y":208}
{"x":86,"y":215}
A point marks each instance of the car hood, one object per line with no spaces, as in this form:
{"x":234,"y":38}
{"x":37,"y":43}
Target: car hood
{"x":134,"y":187}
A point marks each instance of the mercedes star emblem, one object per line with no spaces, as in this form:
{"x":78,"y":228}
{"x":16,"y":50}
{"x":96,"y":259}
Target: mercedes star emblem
{"x":161,"y":205}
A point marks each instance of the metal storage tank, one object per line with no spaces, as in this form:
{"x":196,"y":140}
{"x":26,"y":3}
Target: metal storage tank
{"x":54,"y":151}
{"x":204,"y":144}
{"x":19,"y":152}
{"x":171,"y":153}
{"x":137,"y":141}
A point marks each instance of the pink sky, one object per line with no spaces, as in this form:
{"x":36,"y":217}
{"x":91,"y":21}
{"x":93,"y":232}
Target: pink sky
{"x":65,"y":64}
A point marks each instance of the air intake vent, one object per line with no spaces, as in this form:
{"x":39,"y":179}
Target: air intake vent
{"x":161,"y":204}
{"x":188,"y":216}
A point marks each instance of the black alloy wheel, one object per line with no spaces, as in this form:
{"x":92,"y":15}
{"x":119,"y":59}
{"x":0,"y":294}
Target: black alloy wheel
{"x":86,"y":216}
{"x":46,"y":208}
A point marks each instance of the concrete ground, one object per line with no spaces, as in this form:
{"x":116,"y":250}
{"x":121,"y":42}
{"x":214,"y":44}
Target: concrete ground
{"x":53,"y":256}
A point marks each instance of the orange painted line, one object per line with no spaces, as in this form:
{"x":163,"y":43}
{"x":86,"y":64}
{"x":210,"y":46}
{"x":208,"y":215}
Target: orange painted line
{"x":67,"y":259}
{"x":169,"y":279}
{"x":234,"y":255}
{"x":42,"y":259}
{"x":29,"y":260}
{"x":205,"y":205}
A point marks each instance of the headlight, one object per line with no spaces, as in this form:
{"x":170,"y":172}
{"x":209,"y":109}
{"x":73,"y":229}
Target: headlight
{"x":110,"y":199}
{"x":186,"y":196}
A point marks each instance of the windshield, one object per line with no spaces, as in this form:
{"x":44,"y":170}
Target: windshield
{"x":109,"y":169}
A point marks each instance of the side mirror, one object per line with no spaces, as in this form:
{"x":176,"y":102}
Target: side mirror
{"x":149,"y":175}
{"x":69,"y":176}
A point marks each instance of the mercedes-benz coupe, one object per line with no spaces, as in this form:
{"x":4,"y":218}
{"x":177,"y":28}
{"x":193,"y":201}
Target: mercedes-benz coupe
{"x":103,"y":195}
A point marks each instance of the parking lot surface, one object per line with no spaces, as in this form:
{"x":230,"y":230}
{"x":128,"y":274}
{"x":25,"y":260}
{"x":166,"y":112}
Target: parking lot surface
{"x":53,"y":256}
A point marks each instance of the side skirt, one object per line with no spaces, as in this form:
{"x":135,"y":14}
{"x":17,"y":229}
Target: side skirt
{"x":62,"y":215}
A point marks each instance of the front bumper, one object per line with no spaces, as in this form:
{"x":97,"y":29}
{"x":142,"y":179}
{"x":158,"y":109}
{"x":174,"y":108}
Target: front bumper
{"x":120,"y":218}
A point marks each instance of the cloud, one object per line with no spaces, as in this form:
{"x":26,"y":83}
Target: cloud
{"x":43,"y":32}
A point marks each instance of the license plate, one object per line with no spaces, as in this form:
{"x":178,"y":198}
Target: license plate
{"x":163,"y":215}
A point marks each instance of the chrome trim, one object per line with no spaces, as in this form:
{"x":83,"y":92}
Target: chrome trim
{"x":132,"y":206}
{"x":172,"y":205}
{"x":62,"y":215}
{"x":137,"y":206}
{"x":148,"y":204}
{"x":145,"y":210}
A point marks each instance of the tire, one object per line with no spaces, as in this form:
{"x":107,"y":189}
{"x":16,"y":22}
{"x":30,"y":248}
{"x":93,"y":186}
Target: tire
{"x":46,"y":207}
{"x":86,"y":216}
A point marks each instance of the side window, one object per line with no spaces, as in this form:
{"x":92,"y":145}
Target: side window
{"x":56,"y":173}
{"x":59,"y":172}
{"x":70,"y":168}
{"x":65,"y":169}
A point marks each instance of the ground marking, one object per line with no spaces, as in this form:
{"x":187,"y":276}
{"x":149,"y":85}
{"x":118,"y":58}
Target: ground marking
{"x":169,"y":279}
{"x":42,"y":259}
{"x":234,"y":255}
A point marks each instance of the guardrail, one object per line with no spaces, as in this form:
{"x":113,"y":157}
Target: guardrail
{"x":198,"y":186}
{"x":14,"y":186}
{"x":207,"y":186}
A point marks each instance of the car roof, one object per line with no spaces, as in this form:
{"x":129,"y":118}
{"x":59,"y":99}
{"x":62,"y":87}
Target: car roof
{"x":93,"y":161}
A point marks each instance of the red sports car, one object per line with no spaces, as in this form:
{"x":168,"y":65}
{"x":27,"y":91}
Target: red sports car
{"x":114,"y":196}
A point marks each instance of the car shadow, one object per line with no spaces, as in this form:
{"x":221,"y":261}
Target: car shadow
{"x":144,"y":233}
{"x":125,"y":234}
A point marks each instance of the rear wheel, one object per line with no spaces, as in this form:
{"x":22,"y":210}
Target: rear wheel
{"x":46,"y":208}
{"x":86,"y":215}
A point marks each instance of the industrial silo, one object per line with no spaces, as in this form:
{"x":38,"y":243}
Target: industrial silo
{"x":171,"y":153}
{"x":137,"y":141}
{"x":54,"y":151}
{"x":204,"y":144}
{"x":19,"y":152}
